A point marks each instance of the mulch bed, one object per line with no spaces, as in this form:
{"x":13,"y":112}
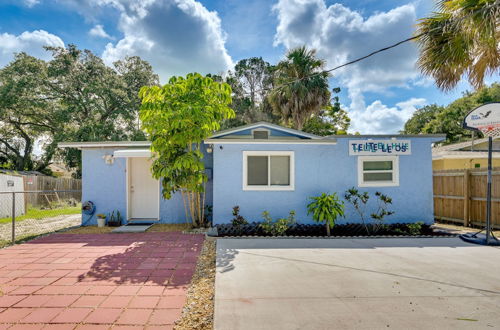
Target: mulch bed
{"x":198,"y":311}
{"x":341,"y":230}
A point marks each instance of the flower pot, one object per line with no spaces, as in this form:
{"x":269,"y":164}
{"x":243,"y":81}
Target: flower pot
{"x":101,"y":222}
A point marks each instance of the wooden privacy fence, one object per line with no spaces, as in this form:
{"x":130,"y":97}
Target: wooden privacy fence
{"x":460,"y":196}
{"x":46,"y":183}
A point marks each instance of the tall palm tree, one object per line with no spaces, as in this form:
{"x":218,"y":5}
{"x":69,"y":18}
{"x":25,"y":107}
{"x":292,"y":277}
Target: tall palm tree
{"x":301,"y":88}
{"x":461,"y":38}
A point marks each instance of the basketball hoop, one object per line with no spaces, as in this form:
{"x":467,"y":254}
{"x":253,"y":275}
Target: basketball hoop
{"x":485,"y":119}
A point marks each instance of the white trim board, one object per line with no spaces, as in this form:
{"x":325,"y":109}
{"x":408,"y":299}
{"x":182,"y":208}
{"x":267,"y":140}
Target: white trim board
{"x":268,"y":187}
{"x":104,"y":144}
{"x":266,"y":141}
{"x":395,"y":171}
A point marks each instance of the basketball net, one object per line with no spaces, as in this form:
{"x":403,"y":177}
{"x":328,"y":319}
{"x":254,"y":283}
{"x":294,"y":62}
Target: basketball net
{"x":490,"y":131}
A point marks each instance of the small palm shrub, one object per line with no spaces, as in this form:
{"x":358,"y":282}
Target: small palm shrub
{"x":278,"y":227}
{"x":326,"y":208}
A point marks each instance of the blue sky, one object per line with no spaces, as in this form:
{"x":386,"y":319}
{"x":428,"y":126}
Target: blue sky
{"x":180,"y":36}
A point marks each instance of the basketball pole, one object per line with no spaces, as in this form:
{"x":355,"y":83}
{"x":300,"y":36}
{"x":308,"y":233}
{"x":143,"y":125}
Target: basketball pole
{"x":486,"y":119}
{"x":488,"y":192}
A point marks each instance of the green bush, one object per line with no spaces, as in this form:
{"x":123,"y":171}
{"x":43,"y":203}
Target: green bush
{"x":278,"y":227}
{"x":326,"y":208}
{"x":415,"y":229}
{"x":359,"y":200}
{"x":238,"y":220}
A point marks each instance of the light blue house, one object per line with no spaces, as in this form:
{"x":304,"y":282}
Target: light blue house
{"x":267,"y":167}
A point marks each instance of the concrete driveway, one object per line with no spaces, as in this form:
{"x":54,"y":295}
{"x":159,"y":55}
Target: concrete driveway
{"x":432,"y":283}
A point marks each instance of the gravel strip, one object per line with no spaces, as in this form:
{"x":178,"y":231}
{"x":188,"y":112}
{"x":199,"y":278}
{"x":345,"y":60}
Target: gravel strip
{"x":198,"y":312}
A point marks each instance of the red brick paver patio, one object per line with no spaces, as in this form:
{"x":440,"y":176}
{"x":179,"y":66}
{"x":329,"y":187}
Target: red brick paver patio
{"x":97,"y":281}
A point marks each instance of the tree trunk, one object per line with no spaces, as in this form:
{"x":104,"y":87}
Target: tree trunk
{"x":328,"y":229}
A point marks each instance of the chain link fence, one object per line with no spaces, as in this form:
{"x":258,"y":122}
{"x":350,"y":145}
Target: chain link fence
{"x":25,"y":214}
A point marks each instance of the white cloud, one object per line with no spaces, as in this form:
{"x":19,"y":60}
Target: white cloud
{"x":31,"y":3}
{"x":98,"y":31}
{"x":340,"y":34}
{"x":378,"y":118}
{"x":175,"y":36}
{"x":29,"y":42}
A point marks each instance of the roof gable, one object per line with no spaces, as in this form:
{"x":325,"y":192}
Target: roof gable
{"x":275,"y":130}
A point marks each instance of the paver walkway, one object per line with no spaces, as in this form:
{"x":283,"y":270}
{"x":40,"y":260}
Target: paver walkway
{"x":97,"y":281}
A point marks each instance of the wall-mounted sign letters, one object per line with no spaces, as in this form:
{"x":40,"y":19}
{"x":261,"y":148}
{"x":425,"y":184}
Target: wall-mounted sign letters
{"x":379,"y":147}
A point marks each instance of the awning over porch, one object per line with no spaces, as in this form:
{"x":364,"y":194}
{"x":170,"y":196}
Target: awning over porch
{"x":127,"y":153}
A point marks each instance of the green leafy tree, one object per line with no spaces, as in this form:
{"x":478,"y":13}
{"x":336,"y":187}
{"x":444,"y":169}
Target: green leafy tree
{"x":301,"y":88}
{"x":382,"y":211}
{"x":250,"y":82}
{"x":420,"y":118}
{"x":326,"y":208}
{"x":177,"y":118}
{"x":26,"y":112}
{"x":358,"y":200}
{"x":460,"y":38}
{"x":95,"y":102}
{"x":73,"y":97}
{"x":135,"y":72}
{"x":448,"y":119}
{"x":330,"y":120}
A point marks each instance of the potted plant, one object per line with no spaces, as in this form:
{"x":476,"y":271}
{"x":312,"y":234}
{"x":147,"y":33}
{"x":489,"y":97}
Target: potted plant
{"x":115,"y":219}
{"x":101,"y":220}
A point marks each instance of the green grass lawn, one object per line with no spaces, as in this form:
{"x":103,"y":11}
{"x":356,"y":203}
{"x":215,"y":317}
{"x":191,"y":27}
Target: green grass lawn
{"x":34,"y":213}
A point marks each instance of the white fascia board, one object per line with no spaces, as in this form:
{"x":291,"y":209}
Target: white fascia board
{"x":470,"y":156}
{"x":104,"y":144}
{"x":252,"y":141}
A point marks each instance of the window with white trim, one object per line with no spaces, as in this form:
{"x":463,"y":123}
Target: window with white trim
{"x":268,"y":170}
{"x":378,"y":171}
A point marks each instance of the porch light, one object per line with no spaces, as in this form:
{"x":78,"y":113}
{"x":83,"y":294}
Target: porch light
{"x":108,"y":159}
{"x":210,"y":148}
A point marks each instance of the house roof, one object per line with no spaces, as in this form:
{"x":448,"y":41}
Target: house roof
{"x":308,"y":138}
{"x":459,"y":150}
{"x":462,"y":145}
{"x":264,"y":124}
{"x":20,"y":173}
{"x":462,"y":154}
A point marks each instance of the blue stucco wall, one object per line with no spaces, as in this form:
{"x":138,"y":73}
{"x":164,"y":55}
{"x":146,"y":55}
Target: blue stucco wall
{"x":105,"y":185}
{"x":322,"y":168}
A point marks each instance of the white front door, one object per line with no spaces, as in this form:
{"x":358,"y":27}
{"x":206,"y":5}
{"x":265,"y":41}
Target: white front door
{"x":143,"y":190}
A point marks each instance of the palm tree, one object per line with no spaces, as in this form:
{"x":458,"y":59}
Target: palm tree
{"x":461,"y":38}
{"x":301,"y":87}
